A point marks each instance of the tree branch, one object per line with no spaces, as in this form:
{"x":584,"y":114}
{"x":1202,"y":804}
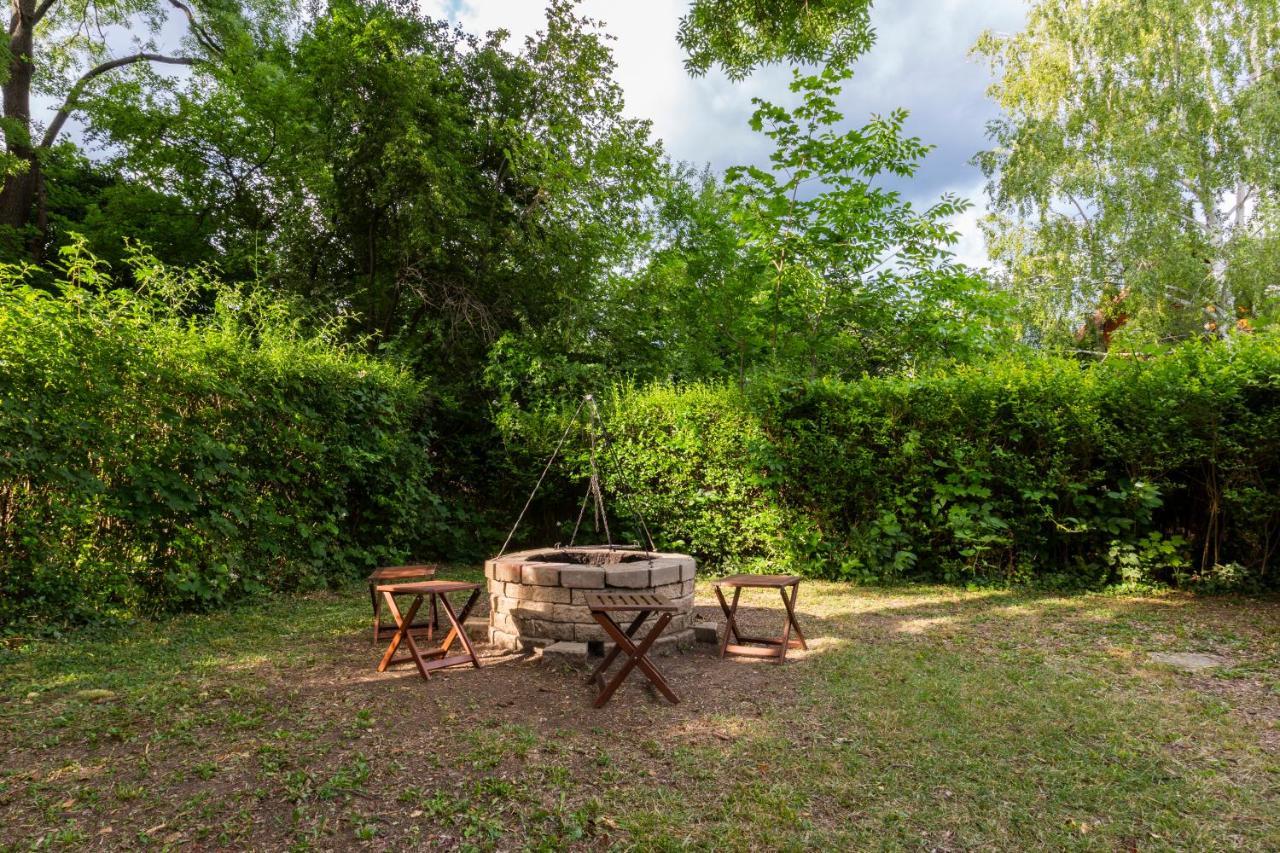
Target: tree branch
{"x":206,"y":41}
{"x":1243,"y":194}
{"x":55,"y":127}
{"x":1079,"y":209}
{"x":1203,"y":226}
{"x":42,"y":10}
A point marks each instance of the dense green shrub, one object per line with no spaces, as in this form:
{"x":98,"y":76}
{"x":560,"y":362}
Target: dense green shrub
{"x":185,"y":444}
{"x":690,"y":462}
{"x":1041,"y":469}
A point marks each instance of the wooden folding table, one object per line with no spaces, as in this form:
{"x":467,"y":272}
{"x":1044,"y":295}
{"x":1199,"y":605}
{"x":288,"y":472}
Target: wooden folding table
{"x":773,"y":647}
{"x":435,"y":658}
{"x":602,"y":606}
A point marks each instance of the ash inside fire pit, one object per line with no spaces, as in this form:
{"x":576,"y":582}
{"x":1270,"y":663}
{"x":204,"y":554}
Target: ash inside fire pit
{"x":593,"y":557}
{"x":537,"y":597}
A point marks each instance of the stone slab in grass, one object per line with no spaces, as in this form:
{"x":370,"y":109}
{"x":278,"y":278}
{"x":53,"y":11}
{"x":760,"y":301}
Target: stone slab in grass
{"x":566,"y":651}
{"x":1189,"y":661}
{"x":706,"y":632}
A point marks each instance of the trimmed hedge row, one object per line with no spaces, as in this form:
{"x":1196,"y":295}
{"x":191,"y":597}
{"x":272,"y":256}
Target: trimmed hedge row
{"x":151,"y":461}
{"x":1164,"y":470}
{"x":182,"y":445}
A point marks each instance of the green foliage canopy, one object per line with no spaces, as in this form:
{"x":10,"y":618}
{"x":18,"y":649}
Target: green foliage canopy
{"x":741,"y":35}
{"x":484,"y":189}
{"x":809,"y":266}
{"x":69,"y":51}
{"x":858,"y":279}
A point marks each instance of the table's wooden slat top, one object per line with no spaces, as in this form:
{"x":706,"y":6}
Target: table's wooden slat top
{"x":765,"y":581}
{"x":424,"y":587}
{"x":395,"y":573}
{"x":615,"y":602}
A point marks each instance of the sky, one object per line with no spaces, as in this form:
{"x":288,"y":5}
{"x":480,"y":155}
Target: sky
{"x":920,"y":62}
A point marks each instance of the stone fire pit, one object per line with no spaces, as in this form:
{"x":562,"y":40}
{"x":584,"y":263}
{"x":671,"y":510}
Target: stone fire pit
{"x":536,"y":597}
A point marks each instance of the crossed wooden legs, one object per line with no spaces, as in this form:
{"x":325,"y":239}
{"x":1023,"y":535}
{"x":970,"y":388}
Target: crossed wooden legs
{"x":438,"y":657}
{"x":636,"y":655}
{"x":379,"y":629}
{"x":774,"y":647}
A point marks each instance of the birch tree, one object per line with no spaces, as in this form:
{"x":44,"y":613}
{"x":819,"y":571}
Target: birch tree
{"x":1134,"y":174}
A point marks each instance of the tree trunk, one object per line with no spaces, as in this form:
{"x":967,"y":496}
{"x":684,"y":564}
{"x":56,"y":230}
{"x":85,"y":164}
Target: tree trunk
{"x":20,"y":189}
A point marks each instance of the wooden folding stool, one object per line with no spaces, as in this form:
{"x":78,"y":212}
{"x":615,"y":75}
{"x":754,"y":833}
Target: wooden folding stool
{"x":602,"y":606}
{"x":390,"y":574}
{"x":438,"y":657}
{"x":773,"y":647}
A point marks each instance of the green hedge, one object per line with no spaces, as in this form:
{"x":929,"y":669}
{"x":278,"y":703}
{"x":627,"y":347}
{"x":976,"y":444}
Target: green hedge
{"x":182,"y":444}
{"x":186,"y":444}
{"x":1043,"y":469}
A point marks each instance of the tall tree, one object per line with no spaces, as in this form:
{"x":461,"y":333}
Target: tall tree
{"x":809,"y":265}
{"x":1134,"y":176}
{"x":855,"y":277}
{"x":701,"y":284}
{"x":452,"y":190}
{"x":685,"y":308}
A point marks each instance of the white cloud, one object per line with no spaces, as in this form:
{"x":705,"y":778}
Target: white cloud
{"x":971,"y":248}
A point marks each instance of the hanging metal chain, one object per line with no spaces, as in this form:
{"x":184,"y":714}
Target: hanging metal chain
{"x":608,"y":443}
{"x":598,"y":514}
{"x":593,"y":485}
{"x":543,"y":475}
{"x":582,"y":511}
{"x":601,"y":515}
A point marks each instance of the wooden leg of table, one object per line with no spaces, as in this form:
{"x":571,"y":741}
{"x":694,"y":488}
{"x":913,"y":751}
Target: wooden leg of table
{"x":613,"y":653}
{"x":402,"y":632}
{"x":414,"y":651}
{"x":622,"y":643}
{"x":791,"y":614}
{"x":458,"y":628}
{"x":449,"y":637}
{"x":636,"y":657}
{"x":377,"y":615}
{"x":786,"y":629}
{"x":648,"y":668}
{"x":731,"y":626}
{"x":396,"y":637}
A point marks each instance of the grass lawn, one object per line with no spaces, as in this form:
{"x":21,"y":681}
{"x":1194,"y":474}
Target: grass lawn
{"x":921,"y":718}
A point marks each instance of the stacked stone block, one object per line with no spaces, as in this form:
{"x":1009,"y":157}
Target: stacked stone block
{"x":537,"y":597}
